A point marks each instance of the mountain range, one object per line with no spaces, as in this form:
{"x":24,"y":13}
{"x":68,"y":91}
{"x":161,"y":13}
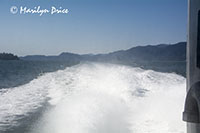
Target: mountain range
{"x":162,"y":57}
{"x":161,"y":52}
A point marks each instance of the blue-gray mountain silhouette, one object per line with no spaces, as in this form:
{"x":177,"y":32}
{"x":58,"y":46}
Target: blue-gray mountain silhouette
{"x":8,"y":56}
{"x":162,"y":57}
{"x":161,"y":52}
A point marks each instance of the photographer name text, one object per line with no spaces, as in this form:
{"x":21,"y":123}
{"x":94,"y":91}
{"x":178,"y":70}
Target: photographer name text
{"x":38,"y":10}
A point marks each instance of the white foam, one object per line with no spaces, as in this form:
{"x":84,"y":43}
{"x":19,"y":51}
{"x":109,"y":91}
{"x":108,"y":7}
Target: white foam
{"x":99,"y":98}
{"x":15,"y":103}
{"x":105,"y":98}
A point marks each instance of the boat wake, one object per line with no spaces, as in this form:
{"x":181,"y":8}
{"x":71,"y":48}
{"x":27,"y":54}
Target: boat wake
{"x":98,"y":98}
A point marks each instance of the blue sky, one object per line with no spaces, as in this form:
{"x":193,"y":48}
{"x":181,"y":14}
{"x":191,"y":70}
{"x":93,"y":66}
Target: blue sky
{"x":91,"y":26}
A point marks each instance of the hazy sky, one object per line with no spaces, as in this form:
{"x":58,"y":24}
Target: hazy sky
{"x":91,"y":26}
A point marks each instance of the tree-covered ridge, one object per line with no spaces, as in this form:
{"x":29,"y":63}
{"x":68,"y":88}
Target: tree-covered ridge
{"x":8,"y":56}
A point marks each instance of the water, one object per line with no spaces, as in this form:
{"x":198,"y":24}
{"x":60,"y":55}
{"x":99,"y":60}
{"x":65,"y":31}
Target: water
{"x":95,"y":98}
{"x":15,"y":73}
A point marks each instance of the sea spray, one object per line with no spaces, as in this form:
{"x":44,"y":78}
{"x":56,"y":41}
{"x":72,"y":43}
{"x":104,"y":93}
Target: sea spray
{"x":102,"y":98}
{"x":106,"y":98}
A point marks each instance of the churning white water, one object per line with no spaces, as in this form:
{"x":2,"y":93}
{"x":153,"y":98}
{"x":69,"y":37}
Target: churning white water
{"x":99,"y":98}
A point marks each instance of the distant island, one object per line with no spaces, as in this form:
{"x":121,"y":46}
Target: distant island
{"x":161,"y":57}
{"x":8,"y":56}
{"x":152,"y":53}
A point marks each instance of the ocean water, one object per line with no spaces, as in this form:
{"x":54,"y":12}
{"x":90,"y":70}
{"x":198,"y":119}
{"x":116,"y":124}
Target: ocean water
{"x":14,"y":73}
{"x":95,"y":98}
